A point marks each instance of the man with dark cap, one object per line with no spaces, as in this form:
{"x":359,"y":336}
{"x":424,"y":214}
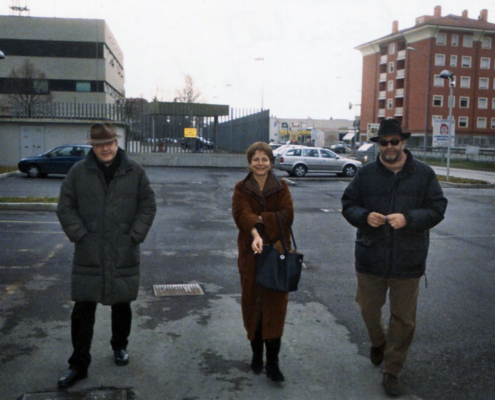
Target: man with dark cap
{"x":393,"y":202}
{"x":106,"y":208}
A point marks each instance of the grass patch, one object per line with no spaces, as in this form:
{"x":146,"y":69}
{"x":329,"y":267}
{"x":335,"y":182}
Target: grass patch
{"x":463,"y":164}
{"x":7,"y":199}
{"x":453,"y":179}
{"x":4,"y":170}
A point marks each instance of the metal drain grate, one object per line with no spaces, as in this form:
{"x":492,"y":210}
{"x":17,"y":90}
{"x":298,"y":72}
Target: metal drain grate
{"x":188,"y":289}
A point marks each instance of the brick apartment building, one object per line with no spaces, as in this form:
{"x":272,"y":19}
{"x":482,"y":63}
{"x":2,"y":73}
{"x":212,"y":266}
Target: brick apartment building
{"x":401,"y":77}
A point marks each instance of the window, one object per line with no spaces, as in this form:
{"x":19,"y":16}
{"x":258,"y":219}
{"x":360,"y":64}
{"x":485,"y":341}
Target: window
{"x":310,"y":153}
{"x":485,"y":63}
{"x":391,"y":48}
{"x":492,"y":123}
{"x":493,"y":104}
{"x":464,"y":102}
{"x":463,"y":122}
{"x":390,"y":86}
{"x":482,"y":103}
{"x":391,"y":67}
{"x":293,"y":152}
{"x":83,"y":86}
{"x":467,"y":41}
{"x":466,"y":62}
{"x":40,"y":86}
{"x":327,"y":154}
{"x":440,"y":59}
{"x":481,"y":123}
{"x":484,"y":83}
{"x":437,"y":101}
{"x":441,"y":39}
{"x":453,"y":61}
{"x":438,"y":81}
{"x":390,"y":104}
{"x":486,"y":43}
{"x":455,"y":40}
{"x":465,"y":82}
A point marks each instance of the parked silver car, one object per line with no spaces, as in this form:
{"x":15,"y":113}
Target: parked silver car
{"x":300,"y":160}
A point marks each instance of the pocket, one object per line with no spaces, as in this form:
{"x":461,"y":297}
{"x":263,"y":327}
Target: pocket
{"x":87,"y":251}
{"x":370,"y":253}
{"x":411,"y":253}
{"x":127,"y":251}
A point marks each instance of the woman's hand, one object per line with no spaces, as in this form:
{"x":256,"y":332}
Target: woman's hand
{"x":257,"y":244}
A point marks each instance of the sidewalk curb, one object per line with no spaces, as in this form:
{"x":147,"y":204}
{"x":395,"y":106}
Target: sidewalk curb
{"x":467,"y":185}
{"x":7,"y":174}
{"x":29,"y":206}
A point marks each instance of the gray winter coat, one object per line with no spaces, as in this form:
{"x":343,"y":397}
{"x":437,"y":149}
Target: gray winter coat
{"x":106,"y":224}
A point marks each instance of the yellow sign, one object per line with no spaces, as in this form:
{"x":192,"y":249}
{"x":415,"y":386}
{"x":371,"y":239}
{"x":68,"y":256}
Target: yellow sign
{"x":190,"y":132}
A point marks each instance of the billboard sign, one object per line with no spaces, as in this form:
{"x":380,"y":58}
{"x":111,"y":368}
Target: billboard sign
{"x":441,"y":132}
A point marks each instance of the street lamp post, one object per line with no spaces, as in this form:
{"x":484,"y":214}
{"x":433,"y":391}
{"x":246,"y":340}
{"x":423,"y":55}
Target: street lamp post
{"x":427,"y":96}
{"x":445,"y":74}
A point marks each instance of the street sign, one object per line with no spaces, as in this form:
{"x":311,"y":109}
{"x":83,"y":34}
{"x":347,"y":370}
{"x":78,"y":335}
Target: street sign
{"x":441,"y":132}
{"x":190,"y":132}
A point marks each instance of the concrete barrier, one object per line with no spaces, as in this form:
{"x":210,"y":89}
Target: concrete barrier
{"x":190,"y":160}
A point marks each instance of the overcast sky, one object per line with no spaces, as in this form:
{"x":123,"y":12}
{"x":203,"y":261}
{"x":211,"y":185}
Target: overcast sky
{"x":309,"y":68}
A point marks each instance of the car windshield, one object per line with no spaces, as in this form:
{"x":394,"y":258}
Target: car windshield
{"x":293,"y":152}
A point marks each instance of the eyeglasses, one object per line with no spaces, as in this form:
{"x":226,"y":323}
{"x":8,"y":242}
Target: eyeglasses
{"x":393,"y":142}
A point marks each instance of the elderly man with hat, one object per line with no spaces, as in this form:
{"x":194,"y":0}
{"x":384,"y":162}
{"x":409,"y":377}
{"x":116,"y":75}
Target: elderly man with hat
{"x":106,"y":208}
{"x":393,"y":202}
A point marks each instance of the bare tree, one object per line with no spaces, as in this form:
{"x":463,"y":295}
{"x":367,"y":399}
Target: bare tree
{"x":26,"y":87}
{"x":189,"y":93}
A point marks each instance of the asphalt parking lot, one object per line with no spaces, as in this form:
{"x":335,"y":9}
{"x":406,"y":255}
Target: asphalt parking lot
{"x":195,"y":347}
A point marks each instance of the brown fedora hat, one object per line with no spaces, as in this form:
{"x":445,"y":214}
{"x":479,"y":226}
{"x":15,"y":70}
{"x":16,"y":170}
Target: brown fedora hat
{"x":390,"y":127}
{"x":102,"y":133}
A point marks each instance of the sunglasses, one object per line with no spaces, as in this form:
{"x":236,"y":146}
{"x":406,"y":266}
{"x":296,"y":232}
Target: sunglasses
{"x":393,"y":142}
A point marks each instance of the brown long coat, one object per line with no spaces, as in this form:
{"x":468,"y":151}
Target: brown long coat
{"x":248,"y":203}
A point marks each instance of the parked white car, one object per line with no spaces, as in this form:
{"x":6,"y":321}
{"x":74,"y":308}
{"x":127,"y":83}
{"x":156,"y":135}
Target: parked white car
{"x":298,"y":161}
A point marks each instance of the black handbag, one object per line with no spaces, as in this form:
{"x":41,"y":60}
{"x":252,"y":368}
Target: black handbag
{"x":280,"y":272}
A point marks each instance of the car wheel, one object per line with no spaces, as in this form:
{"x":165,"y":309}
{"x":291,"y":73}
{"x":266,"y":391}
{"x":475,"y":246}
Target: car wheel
{"x":349,"y":170}
{"x":33,"y":171}
{"x":299,"y":170}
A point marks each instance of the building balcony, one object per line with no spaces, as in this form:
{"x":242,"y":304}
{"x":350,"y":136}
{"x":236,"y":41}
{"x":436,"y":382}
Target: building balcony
{"x":400,"y":74}
{"x":381,"y":112}
{"x":401,"y":55}
{"x":382,"y":95}
{"x":399,"y":92}
{"x":399,"y":111}
{"x":383,"y":59}
{"x":383,"y":77}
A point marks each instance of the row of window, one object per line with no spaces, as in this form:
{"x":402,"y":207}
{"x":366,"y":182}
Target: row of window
{"x":467,"y":40}
{"x":481,"y":122}
{"x":463,"y":102}
{"x":465,"y":83}
{"x":466,"y":61}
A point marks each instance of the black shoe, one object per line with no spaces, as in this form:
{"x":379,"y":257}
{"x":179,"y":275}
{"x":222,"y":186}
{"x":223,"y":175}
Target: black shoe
{"x":71,"y":377}
{"x":121,"y":357}
{"x":273,"y":372}
{"x":392,"y":385}
{"x":377,"y":354}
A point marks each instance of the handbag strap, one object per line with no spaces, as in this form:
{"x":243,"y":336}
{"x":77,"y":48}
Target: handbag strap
{"x":282,"y":232}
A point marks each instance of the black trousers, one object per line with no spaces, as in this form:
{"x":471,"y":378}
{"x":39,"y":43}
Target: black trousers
{"x":82,"y":325}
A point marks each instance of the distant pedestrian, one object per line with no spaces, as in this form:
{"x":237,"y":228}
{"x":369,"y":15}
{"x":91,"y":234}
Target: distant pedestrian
{"x":255,"y":201}
{"x":106,"y":208}
{"x":394,"y":202}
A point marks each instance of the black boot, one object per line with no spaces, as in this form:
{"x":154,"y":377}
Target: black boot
{"x":272,"y":369}
{"x":257,"y":347}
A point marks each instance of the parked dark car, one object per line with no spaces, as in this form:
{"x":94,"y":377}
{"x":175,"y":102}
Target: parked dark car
{"x":56,"y":161}
{"x":341,"y":148}
{"x":197,"y":144}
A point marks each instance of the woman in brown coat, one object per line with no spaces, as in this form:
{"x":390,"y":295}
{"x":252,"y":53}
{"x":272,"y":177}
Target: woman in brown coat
{"x":255,"y":201}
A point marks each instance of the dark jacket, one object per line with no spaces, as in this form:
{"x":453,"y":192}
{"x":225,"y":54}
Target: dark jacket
{"x":107,"y":224}
{"x":248,"y":203}
{"x":414,"y":192}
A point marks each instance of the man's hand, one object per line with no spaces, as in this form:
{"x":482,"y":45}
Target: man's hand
{"x":257,"y":244}
{"x":375,"y":219}
{"x":397,"y":221}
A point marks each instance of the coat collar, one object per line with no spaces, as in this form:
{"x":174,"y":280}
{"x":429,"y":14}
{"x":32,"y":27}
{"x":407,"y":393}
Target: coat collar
{"x":272,"y":185}
{"x":125,"y":165}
